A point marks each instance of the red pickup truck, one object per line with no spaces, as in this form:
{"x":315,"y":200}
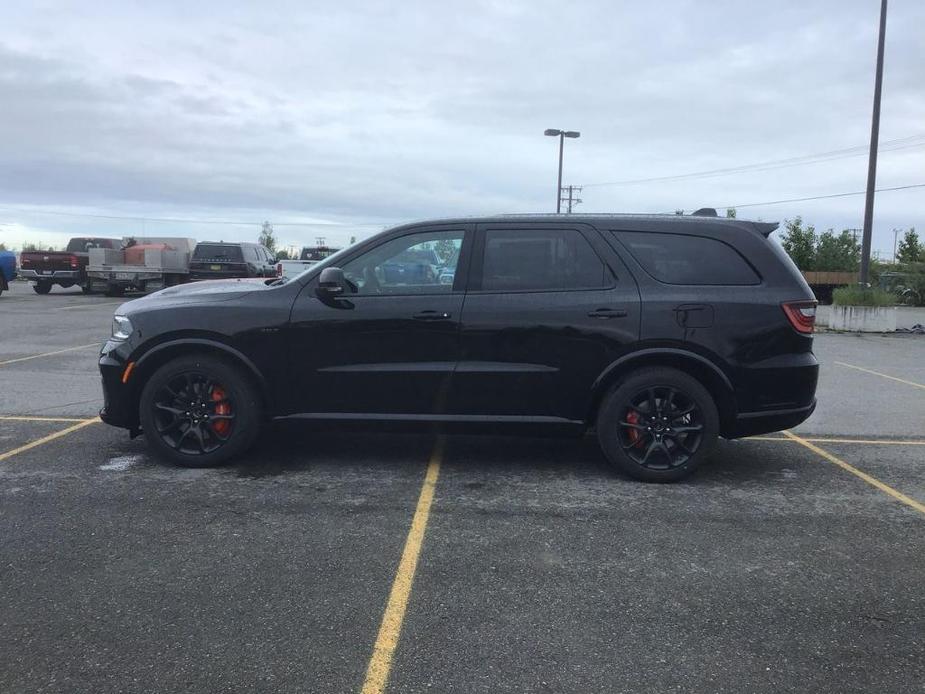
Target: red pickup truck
{"x":65,"y":268}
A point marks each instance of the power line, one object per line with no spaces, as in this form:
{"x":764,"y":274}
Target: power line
{"x":822,"y":197}
{"x":886,"y":146}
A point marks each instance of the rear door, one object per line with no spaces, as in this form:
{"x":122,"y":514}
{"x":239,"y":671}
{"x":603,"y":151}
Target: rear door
{"x":549,"y":307}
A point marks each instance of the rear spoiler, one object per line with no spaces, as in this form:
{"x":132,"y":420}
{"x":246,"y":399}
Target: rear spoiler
{"x":765,"y":228}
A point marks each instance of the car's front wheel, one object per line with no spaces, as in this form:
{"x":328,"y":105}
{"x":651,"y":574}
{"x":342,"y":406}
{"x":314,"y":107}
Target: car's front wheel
{"x":658,"y":425}
{"x":200,"y":411}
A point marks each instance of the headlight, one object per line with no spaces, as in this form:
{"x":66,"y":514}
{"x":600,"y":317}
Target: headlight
{"x":121,"y":328}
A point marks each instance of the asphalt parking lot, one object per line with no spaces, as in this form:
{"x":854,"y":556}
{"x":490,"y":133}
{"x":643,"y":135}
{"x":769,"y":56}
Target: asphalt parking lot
{"x":347,"y":562}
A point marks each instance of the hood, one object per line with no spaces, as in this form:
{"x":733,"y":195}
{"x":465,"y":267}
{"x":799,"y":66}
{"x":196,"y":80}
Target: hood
{"x":204,"y":291}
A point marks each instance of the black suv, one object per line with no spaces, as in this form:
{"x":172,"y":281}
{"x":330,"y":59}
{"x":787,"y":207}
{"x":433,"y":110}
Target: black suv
{"x":216,"y":260}
{"x":661,"y":332}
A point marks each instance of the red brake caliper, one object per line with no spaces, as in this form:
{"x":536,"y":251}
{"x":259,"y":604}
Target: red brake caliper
{"x":221,"y":426}
{"x":633,"y":418}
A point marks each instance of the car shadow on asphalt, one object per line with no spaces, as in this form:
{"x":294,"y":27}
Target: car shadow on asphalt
{"x":287,"y":447}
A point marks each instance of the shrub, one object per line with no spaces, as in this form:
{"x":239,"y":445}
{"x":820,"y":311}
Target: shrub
{"x":859,"y":296}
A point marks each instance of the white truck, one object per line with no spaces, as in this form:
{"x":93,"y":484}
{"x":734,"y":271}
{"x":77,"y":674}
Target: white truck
{"x":144,"y":263}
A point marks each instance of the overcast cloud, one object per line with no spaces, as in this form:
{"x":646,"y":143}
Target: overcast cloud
{"x":364,"y":114}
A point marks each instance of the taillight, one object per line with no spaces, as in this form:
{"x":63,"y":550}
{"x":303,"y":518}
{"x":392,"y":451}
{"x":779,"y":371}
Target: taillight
{"x":74,"y":262}
{"x":801,"y":314}
{"x":279,"y":269}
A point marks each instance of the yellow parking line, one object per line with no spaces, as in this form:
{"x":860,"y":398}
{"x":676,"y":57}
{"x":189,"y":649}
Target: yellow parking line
{"x":48,"y":354}
{"x":30,"y":418}
{"x":380,"y":664}
{"x":869,"y":442}
{"x":873,"y":481}
{"x":50,"y":437}
{"x":882,"y":375}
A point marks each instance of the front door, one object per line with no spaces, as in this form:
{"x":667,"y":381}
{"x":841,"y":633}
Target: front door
{"x":389,"y":344}
{"x":549,"y":306}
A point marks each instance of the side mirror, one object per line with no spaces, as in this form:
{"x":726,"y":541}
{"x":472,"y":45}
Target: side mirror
{"x":331,"y":282}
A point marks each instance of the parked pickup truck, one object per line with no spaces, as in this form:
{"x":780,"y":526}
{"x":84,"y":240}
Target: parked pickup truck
{"x":64,"y":268}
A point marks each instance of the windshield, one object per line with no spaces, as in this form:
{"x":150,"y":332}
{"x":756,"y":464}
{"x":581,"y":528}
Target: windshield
{"x":330,"y":261}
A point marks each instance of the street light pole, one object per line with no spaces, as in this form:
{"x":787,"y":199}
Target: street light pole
{"x":561,"y":134}
{"x":872,"y":161}
{"x":559,"y":182}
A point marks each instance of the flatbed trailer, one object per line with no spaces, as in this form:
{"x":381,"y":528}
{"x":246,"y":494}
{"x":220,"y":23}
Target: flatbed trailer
{"x":161,"y":267}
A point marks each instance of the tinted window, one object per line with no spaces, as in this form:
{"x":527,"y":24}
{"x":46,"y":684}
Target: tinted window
{"x":540,"y":260}
{"x":681,"y":259}
{"x":423,"y":263}
{"x":215,"y":251}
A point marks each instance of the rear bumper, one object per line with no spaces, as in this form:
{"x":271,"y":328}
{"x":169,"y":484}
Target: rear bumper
{"x":54,"y":275}
{"x":754,"y":423}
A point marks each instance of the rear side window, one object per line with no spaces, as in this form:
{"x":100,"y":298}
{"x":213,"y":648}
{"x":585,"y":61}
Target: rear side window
{"x":215,"y":251}
{"x":683,"y":259}
{"x":540,"y":260}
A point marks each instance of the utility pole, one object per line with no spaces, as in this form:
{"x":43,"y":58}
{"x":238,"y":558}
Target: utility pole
{"x":872,"y":161}
{"x":572,"y":197}
{"x":896,"y":233}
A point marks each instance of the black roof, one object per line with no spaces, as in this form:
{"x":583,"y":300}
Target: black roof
{"x":642,"y":222}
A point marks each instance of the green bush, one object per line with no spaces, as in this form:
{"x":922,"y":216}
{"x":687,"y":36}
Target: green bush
{"x":859,"y":296}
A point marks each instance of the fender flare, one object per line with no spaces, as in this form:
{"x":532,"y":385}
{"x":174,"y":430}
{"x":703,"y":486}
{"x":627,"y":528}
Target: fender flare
{"x":660,"y":351}
{"x":210,"y":344}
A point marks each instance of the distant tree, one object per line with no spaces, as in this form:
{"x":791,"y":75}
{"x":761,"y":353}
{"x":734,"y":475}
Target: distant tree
{"x":29,"y":248}
{"x":267,"y":238}
{"x":2,"y":246}
{"x":800,"y":243}
{"x":679,"y":212}
{"x":840,"y":253}
{"x":910,"y":249}
{"x":283,"y":254}
{"x":731,"y":212}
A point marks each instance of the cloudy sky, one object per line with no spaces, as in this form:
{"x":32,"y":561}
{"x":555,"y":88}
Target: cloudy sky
{"x":338,"y":118}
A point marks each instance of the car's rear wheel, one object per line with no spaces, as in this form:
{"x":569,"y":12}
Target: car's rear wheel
{"x":200,"y":411}
{"x":41,"y":287}
{"x":658,"y":425}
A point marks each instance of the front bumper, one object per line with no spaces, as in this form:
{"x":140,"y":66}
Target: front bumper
{"x":53,"y":275}
{"x":119,"y":407}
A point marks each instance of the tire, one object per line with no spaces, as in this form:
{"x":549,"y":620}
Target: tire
{"x":41,"y":287}
{"x":87,"y":288}
{"x":653,"y":447}
{"x":115,"y":290}
{"x":232,"y":402}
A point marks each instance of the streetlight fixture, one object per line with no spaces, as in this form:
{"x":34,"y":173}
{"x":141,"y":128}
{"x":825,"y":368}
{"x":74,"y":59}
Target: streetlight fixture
{"x":561,"y":134}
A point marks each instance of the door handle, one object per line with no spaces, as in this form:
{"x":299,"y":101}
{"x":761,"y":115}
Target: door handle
{"x":608,"y":313}
{"x":431,"y":315}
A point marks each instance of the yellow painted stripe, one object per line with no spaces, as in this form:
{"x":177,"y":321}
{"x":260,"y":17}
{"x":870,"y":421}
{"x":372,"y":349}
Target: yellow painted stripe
{"x":30,"y":418}
{"x":50,"y":437}
{"x":873,"y":481}
{"x":882,"y":375}
{"x":377,"y":674}
{"x":48,"y":354}
{"x":823,"y":439}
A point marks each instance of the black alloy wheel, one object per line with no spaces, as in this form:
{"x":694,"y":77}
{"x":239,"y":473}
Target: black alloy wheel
{"x":658,"y":424}
{"x":662,"y":428}
{"x":193,"y":413}
{"x":200,"y":410}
